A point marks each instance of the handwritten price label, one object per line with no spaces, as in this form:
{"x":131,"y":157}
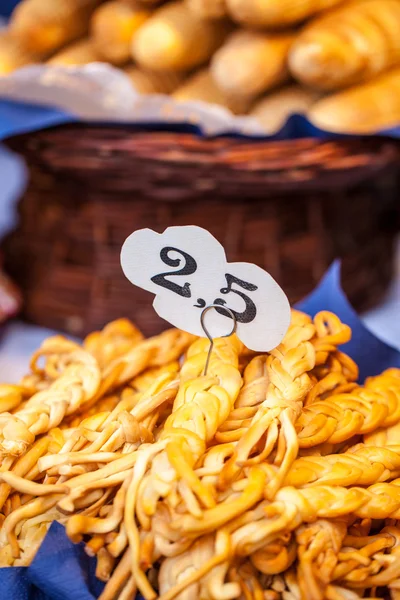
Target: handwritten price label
{"x":187,"y":270}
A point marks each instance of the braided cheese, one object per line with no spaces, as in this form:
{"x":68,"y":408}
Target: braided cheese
{"x":362,"y":465}
{"x":195,"y":485}
{"x":287,"y":368}
{"x":341,"y":416}
{"x":45,"y":410}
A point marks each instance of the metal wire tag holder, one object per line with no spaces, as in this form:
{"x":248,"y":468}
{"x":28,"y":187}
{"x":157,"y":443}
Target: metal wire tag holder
{"x":208,"y":334}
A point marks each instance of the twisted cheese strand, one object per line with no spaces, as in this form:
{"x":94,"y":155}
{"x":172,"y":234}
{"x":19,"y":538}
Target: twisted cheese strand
{"x":370,"y":562}
{"x":154,"y":352}
{"x":202,"y":404}
{"x":256,"y":382}
{"x":361,"y":465}
{"x":54,"y":354}
{"x":388,"y":433}
{"x":287,"y":368}
{"x":11,"y":396}
{"x":116,"y":339}
{"x":330,"y":333}
{"x":292,"y":507}
{"x":318,"y":547}
{"x":333,"y":370}
{"x":252,"y":395}
{"x":78,"y":383}
{"x":276,"y":557}
{"x":341,"y":416}
{"x":328,"y":554}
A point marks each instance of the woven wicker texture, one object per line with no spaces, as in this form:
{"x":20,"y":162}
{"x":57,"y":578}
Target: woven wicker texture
{"x":290,"y":207}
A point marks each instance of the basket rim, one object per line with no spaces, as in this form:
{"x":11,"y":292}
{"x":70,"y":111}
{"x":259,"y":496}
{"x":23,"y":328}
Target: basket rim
{"x":179,"y":160}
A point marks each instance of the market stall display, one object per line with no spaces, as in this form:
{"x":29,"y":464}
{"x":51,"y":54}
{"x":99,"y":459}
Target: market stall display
{"x":188,"y":473}
{"x":248,"y":49}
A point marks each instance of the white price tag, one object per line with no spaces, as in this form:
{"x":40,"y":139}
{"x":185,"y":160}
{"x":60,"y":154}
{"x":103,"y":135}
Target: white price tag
{"x":187,"y":270}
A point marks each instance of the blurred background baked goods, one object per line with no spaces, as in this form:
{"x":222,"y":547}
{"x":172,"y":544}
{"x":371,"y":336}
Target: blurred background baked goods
{"x":338,"y":61}
{"x":292,"y":206}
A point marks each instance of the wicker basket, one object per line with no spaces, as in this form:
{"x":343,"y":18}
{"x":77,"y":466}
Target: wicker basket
{"x":291,"y":207}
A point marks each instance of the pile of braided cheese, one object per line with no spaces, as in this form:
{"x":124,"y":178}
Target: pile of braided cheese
{"x":273,"y":477}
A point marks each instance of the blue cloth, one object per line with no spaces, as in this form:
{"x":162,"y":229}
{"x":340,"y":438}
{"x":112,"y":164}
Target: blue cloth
{"x":18,"y":117}
{"x":60,"y":571}
{"x":371,"y":354}
{"x":7,"y":6}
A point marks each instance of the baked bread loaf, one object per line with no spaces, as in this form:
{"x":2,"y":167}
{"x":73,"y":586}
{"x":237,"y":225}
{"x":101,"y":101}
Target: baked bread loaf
{"x":362,"y":109}
{"x":112,"y":27}
{"x":275,"y":13}
{"x":175,"y":39}
{"x":153,"y":82}
{"x":349,"y":45}
{"x":274,"y":110}
{"x":250,"y":63}
{"x":43,"y":27}
{"x":201,"y":86}
{"x":12,"y":54}
{"x":208,"y":9}
{"x":77,"y":53}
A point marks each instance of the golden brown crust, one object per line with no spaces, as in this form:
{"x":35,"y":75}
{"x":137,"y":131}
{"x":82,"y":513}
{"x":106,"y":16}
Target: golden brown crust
{"x":112,"y":27}
{"x":250,"y":63}
{"x":352,"y":45}
{"x":175,"y":39}
{"x":364,"y":108}
{"x":42,"y":27}
{"x":276,"y":13}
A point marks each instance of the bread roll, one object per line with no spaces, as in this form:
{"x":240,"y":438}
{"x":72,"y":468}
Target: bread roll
{"x":251,"y":63}
{"x":364,"y":108}
{"x":274,"y":110}
{"x":275,"y":13}
{"x":43,"y":27}
{"x":348,"y":46}
{"x":12,"y":55}
{"x":112,"y":27}
{"x":175,"y":39}
{"x":78,"y":53}
{"x":208,"y":9}
{"x":201,"y":86}
{"x":150,"y":82}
